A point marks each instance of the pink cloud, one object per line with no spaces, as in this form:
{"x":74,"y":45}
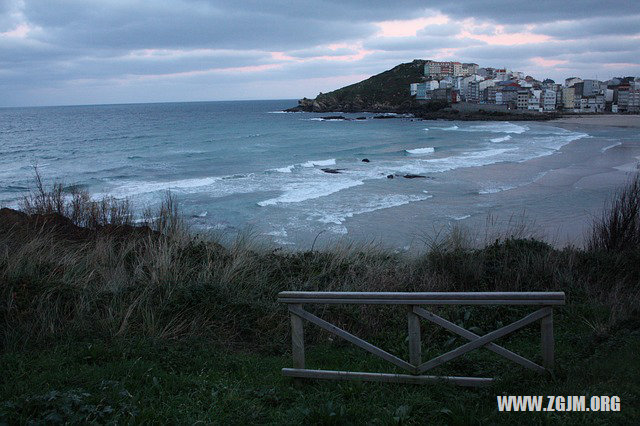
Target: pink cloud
{"x":543,"y":62}
{"x":408,"y":27}
{"x":21,"y":31}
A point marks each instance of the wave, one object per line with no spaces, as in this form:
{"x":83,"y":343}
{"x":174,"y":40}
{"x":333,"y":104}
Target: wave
{"x":494,"y":190}
{"x":502,"y":139}
{"x":308,"y":164}
{"x":297,"y":192}
{"x":463,"y":217}
{"x":607,"y":148}
{"x":313,"y":163}
{"x":420,"y":151}
{"x":137,"y":188}
{"x":502,"y":127}
{"x":343,"y":212}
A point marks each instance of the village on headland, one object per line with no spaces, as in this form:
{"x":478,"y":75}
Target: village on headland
{"x":452,"y":90}
{"x":500,"y":88}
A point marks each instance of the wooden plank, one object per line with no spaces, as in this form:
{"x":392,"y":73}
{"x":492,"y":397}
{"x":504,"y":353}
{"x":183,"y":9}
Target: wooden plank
{"x":297,"y":338}
{"x":481,"y":341}
{"x":351,"y":338}
{"x":415,"y":355}
{"x":301,"y":300}
{"x":546,"y":326}
{"x":430,"y":316}
{"x":385,"y":377}
{"x":436,"y":295}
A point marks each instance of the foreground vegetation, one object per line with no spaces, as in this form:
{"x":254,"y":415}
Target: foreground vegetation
{"x":104,"y":321}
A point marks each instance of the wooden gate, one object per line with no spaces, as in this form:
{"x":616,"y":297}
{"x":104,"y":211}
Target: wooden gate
{"x":414,"y":302}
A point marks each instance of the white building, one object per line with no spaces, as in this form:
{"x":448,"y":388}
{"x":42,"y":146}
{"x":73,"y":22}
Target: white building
{"x":548,"y":101}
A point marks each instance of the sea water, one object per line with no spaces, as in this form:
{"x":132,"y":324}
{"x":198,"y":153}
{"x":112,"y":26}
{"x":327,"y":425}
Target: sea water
{"x":249,"y":167}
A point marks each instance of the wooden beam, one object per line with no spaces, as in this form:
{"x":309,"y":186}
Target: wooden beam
{"x":384,"y":377}
{"x":546,"y":326}
{"x":413,"y":297}
{"x":481,"y":341}
{"x":430,"y":316}
{"x":415,"y":356}
{"x":378,"y":301}
{"x":297,"y":338}
{"x":351,"y":338}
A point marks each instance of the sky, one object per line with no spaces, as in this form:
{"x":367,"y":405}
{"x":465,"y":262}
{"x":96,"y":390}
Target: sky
{"x":65,"y":52}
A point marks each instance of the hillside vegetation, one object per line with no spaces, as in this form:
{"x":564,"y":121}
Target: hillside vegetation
{"x":384,"y":92}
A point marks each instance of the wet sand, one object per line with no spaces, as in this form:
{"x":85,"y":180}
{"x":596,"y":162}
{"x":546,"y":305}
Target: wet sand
{"x":613,"y":120}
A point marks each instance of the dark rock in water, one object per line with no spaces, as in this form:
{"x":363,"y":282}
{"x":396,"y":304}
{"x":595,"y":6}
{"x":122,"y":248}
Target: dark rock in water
{"x":410,"y":176}
{"x":361,"y":118}
{"x":365,"y":160}
{"x":335,"y":117}
{"x":333,"y":171}
{"x":384,"y":117}
{"x":389,"y":176}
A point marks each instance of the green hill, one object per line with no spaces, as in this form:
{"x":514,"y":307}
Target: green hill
{"x":384,"y":92}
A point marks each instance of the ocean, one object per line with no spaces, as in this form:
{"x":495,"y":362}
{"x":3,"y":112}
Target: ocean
{"x":246,"y":167}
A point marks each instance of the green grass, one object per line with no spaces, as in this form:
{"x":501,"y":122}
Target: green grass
{"x":194,"y":381}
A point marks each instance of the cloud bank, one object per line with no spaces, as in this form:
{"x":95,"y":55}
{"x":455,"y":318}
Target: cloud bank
{"x":88,"y":51}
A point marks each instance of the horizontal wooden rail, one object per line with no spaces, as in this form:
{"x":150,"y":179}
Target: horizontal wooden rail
{"x":547,"y":300}
{"x":423,"y":298}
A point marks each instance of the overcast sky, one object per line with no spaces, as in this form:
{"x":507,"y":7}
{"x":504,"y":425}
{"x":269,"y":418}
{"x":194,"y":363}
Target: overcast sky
{"x":55,"y":52}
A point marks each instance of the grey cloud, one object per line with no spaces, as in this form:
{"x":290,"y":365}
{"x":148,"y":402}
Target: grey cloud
{"x":425,"y":42}
{"x":624,"y":25}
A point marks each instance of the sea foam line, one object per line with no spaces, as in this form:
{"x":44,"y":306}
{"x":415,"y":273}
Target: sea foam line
{"x":297,"y":192}
{"x":420,"y":151}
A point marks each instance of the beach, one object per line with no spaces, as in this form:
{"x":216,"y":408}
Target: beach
{"x":614,"y":120}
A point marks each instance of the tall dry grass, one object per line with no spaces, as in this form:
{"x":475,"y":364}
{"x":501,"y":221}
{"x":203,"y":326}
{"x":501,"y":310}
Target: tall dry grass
{"x":172,"y":284}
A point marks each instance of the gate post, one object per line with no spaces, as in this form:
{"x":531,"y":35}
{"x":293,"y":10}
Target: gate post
{"x":546,"y":327}
{"x":415,"y":355}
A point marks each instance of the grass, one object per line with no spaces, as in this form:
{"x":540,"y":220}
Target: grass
{"x":118,"y":325}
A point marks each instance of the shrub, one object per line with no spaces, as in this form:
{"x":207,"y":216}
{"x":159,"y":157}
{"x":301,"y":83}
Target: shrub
{"x":618,"y":229}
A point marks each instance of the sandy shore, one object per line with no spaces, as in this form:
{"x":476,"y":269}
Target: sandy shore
{"x":615,"y":120}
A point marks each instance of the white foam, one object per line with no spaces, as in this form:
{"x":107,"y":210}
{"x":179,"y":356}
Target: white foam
{"x":203,"y":214}
{"x":494,"y":190}
{"x":286,"y":169}
{"x":420,"y":151}
{"x":313,"y":163}
{"x":607,"y":148}
{"x":426,"y":129}
{"x":501,"y":139}
{"x":297,"y":192}
{"x":498,"y":127}
{"x":137,"y":188}
{"x":466,"y":216}
{"x":339,"y":213}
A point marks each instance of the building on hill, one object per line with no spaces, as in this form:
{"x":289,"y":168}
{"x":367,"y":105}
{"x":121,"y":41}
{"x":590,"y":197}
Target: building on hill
{"x":571,"y":81}
{"x":522,"y":100}
{"x":469,"y":69}
{"x":434,"y":69}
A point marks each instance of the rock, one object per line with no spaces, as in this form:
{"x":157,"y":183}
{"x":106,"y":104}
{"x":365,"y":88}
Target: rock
{"x":365,"y":160}
{"x":384,"y":117}
{"x":335,"y":117}
{"x":410,"y":176}
{"x":332,"y":171}
{"x":361,"y":118}
{"x":389,"y":176}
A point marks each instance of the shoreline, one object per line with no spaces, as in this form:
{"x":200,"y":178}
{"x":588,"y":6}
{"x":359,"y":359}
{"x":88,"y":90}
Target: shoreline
{"x":606,"y":120}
